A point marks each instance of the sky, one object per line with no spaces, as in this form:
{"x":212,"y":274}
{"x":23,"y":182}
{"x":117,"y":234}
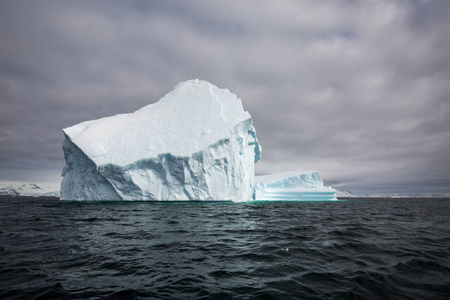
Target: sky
{"x":356,"y":89}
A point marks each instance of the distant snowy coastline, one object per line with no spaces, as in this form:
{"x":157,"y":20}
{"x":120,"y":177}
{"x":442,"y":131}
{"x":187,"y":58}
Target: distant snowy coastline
{"x":345,"y":193}
{"x":28,"y":189}
{"x":38,"y":190}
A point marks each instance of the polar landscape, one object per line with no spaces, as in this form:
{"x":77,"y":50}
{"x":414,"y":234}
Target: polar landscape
{"x":196,"y":143}
{"x":27,"y":189}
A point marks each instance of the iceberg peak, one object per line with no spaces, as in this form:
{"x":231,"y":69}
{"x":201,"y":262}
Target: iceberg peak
{"x":176,"y":124}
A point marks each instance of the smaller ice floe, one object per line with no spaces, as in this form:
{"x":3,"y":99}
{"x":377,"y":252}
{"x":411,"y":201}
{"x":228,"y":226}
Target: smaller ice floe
{"x":292,"y":186}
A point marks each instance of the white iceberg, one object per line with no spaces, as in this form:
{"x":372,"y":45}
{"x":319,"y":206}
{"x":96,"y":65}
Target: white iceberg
{"x":292,"y":186}
{"x":196,"y":143}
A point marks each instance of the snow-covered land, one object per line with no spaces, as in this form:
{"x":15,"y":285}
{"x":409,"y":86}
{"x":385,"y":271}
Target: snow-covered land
{"x":293,"y":186}
{"x":197,"y":142}
{"x":27,"y":189}
{"x":345,"y":193}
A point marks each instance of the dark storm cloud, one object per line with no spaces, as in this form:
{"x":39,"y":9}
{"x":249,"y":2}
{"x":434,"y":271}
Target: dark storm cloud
{"x":355,"y":89}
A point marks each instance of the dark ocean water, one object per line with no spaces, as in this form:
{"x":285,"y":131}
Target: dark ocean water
{"x":358,"y":249}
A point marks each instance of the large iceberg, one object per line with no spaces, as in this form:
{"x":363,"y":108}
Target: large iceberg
{"x":292,"y":186}
{"x":196,"y":143}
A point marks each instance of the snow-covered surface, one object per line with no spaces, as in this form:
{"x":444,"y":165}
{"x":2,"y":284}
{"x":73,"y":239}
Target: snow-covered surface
{"x":195,"y":115}
{"x":344,"y":193}
{"x":404,"y":195}
{"x":27,"y":189}
{"x":293,"y":186}
{"x":196,"y":143}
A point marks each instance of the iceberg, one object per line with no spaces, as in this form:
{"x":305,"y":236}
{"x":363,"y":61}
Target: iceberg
{"x":196,"y":143}
{"x":292,"y":186}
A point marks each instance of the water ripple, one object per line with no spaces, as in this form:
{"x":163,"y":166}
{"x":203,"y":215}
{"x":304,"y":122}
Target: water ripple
{"x":363,"y":249}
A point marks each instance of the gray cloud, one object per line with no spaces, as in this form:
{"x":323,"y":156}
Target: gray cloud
{"x":355,"y":89}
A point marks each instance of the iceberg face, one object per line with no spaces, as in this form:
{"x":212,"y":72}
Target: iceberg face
{"x":292,"y":186}
{"x":196,"y":143}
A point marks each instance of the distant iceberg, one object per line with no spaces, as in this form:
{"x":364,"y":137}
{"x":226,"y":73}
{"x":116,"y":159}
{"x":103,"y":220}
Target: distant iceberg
{"x":292,"y":186}
{"x":196,"y":143}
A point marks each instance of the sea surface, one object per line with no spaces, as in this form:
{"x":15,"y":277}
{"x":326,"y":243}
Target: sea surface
{"x":351,"y":249}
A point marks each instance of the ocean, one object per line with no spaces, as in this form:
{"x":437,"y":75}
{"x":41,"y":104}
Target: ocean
{"x":352,"y":249}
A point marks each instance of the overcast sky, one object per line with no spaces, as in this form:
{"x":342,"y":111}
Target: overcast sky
{"x":356,"y":89}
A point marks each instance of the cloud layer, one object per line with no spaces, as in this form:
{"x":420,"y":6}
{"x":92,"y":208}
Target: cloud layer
{"x":355,"y":89}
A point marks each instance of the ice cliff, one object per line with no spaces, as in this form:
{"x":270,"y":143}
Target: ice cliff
{"x":197,"y":142}
{"x":293,"y":186}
